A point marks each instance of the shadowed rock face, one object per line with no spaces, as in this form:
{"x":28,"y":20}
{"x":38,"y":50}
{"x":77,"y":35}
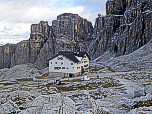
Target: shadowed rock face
{"x":21,"y":55}
{"x":28,"y":50}
{"x":1,"y":57}
{"x":70,"y":31}
{"x":6,"y":53}
{"x":126,"y":27}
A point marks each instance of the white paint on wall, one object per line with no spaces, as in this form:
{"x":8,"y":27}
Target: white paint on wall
{"x":65,"y":65}
{"x":84,"y":61}
{"x":68,"y":66}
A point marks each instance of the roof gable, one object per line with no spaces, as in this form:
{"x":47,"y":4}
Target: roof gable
{"x":70,"y":55}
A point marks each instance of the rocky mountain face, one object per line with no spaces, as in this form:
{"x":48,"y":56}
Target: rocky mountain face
{"x":6,"y":52}
{"x":28,"y":50}
{"x":72,"y":31}
{"x":139,"y":60}
{"x":68,"y":32}
{"x":126,"y":27}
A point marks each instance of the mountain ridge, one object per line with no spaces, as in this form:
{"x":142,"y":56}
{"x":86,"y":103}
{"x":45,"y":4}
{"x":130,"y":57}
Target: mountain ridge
{"x":68,"y":32}
{"x":125,"y":28}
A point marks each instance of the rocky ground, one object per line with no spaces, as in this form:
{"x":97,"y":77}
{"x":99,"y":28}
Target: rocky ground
{"x":139,"y":60}
{"x":23,"y":90}
{"x":21,"y":71}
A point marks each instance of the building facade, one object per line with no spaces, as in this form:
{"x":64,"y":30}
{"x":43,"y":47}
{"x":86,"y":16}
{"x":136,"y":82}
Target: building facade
{"x":69,"y":63}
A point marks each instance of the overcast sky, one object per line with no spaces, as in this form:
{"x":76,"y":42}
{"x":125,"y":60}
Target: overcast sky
{"x":16,"y":16}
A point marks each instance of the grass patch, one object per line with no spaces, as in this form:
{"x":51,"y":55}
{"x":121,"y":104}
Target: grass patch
{"x":72,"y":86}
{"x":25,"y":79}
{"x":106,"y":85}
{"x":39,"y":77}
{"x":142,"y":104}
{"x":7,"y":83}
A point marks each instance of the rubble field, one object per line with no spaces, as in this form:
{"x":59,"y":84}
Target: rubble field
{"x":109,"y":92}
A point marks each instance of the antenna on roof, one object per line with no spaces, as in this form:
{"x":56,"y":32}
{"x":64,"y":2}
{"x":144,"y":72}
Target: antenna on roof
{"x":99,"y":15}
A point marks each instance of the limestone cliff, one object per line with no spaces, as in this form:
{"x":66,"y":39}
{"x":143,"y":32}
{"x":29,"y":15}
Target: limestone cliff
{"x":126,"y":27}
{"x":68,"y":32}
{"x":21,"y":55}
{"x":6,"y":53}
{"x":27,"y":51}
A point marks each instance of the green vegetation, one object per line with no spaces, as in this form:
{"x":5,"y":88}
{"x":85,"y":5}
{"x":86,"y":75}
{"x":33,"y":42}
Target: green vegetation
{"x":7,"y":83}
{"x":142,"y":104}
{"x":87,"y":86}
{"x":25,"y":79}
{"x":106,"y":85}
{"x":39,"y":77}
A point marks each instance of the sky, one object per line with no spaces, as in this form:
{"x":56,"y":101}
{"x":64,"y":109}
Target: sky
{"x":16,"y":16}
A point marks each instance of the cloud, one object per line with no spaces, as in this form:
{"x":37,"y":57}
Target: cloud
{"x":32,"y":11}
{"x":92,"y":8}
{"x":16,"y":11}
{"x":13,"y":33}
{"x":17,"y":15}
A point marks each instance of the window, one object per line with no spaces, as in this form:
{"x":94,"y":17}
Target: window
{"x":78,"y":67}
{"x":63,"y":67}
{"x":50,"y":62}
{"x":86,"y":65}
{"x":62,"y":63}
{"x":85,"y":61}
{"x":73,"y":67}
{"x":67,"y":68}
{"x":60,"y":58}
{"x":82,"y":61}
{"x":81,"y":66}
{"x":71,"y":63}
{"x":57,"y":68}
{"x":55,"y":62}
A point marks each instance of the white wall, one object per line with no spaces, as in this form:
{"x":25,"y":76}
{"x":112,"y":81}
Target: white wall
{"x":81,"y":63}
{"x":66,"y":63}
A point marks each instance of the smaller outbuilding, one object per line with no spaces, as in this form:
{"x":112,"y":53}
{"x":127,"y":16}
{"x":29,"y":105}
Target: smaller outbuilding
{"x":69,"y":63}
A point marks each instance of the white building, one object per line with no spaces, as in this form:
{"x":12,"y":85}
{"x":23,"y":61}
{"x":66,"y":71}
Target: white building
{"x":69,"y":63}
